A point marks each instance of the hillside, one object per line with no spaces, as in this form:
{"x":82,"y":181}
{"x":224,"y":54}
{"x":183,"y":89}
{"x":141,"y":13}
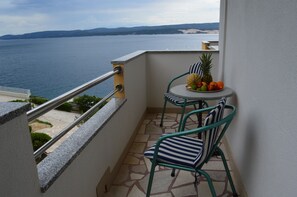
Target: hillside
{"x":141,"y":30}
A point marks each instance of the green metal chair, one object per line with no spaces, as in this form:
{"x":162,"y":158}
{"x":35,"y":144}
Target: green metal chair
{"x":183,"y":151}
{"x":177,"y":101}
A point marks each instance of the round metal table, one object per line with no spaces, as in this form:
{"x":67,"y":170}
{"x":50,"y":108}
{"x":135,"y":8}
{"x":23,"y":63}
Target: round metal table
{"x":181,"y":91}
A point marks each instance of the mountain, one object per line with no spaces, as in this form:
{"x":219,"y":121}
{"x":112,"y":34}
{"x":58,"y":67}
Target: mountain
{"x":163,"y":29}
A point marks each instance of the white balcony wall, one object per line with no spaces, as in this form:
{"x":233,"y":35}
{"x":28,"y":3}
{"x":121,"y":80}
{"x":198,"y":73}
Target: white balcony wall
{"x":260,"y":65}
{"x":163,"y":66}
{"x":17,"y":165}
{"x":85,"y":172}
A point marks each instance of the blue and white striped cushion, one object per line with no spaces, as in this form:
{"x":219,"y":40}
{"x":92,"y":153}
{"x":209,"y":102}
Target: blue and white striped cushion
{"x":182,"y":151}
{"x":196,"y":68}
{"x":210,"y":136}
{"x":188,"y":151}
{"x":177,"y":100}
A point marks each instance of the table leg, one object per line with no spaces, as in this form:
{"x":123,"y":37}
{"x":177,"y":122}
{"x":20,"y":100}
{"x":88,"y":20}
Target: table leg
{"x":200,"y":114}
{"x":200,"y":117}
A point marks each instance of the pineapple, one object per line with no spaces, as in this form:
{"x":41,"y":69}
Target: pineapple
{"x":206,"y":65}
{"x":193,"y":79}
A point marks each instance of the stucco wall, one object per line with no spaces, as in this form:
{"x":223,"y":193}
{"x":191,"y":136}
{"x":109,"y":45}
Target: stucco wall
{"x":163,"y":66}
{"x":17,"y":166}
{"x":260,"y":64}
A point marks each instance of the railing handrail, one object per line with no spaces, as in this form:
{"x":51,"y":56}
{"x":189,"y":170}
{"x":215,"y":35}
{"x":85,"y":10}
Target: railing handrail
{"x":56,"y":102}
{"x":88,"y":113}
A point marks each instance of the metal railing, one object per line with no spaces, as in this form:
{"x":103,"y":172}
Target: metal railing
{"x":54,"y":103}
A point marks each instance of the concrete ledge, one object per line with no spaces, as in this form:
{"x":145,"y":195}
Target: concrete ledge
{"x":9,"y":111}
{"x":181,"y":52}
{"x":53,"y":165}
{"x":127,"y":58}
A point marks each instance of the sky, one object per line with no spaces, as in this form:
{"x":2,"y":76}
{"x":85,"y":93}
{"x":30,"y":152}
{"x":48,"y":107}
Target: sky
{"x":25,"y":16}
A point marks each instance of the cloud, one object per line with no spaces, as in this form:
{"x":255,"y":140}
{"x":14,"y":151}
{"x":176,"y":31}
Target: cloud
{"x":20,"y":16}
{"x":161,"y":12}
{"x":16,"y":24}
{"x":153,"y":13}
{"x":4,"y":4}
{"x":182,"y":12}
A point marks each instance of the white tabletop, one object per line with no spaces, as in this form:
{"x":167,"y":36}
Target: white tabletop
{"x":181,"y":91}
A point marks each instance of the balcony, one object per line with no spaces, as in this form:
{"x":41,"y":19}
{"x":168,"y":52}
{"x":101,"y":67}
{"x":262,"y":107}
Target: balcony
{"x":105,"y":154}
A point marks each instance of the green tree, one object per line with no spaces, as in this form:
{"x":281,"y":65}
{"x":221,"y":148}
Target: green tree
{"x":65,"y":107}
{"x":85,"y":102}
{"x":38,"y":100}
{"x":38,"y":139}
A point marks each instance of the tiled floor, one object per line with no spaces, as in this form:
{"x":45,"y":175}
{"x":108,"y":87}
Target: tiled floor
{"x":132,"y":178}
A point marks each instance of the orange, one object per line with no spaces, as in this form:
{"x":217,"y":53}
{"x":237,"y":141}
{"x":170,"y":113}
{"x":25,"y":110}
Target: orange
{"x":220,"y":85}
{"x":212,"y":86}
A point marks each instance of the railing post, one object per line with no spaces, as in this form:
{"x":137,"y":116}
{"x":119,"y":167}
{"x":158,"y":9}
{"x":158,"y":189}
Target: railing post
{"x":119,"y":79}
{"x":205,"y":45}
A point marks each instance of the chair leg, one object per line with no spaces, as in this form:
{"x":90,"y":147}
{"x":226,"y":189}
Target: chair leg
{"x":221,"y":153}
{"x":173,"y":172}
{"x":205,"y":104}
{"x":163,"y":111}
{"x":150,"y":182}
{"x":209,"y":181}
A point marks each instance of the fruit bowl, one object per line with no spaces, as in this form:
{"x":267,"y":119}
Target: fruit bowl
{"x":208,"y":91}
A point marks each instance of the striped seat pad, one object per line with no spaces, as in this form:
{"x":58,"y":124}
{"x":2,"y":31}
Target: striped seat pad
{"x":177,"y":100}
{"x":196,"y":68}
{"x":183,"y":151}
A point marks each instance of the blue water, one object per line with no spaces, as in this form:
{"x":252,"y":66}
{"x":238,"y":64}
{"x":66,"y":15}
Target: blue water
{"x":51,"y":66}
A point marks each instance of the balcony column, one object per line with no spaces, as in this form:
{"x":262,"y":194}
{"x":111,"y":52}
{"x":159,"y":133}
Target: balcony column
{"x":17,"y":165}
{"x":119,"y":80}
{"x":205,"y":45}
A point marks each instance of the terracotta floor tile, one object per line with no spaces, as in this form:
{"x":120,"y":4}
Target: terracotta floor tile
{"x":117,"y":191}
{"x":135,"y":192}
{"x":163,"y":195}
{"x":161,"y":183}
{"x":131,"y":160}
{"x":141,"y":138}
{"x":153,"y":129}
{"x":187,"y":190}
{"x":137,"y":147}
{"x":183,"y":178}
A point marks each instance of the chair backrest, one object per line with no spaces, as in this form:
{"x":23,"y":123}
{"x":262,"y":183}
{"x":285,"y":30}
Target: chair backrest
{"x":196,"y":68}
{"x":211,"y":136}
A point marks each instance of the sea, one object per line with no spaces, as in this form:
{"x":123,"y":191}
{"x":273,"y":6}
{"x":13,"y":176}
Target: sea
{"x":50,"y":67}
